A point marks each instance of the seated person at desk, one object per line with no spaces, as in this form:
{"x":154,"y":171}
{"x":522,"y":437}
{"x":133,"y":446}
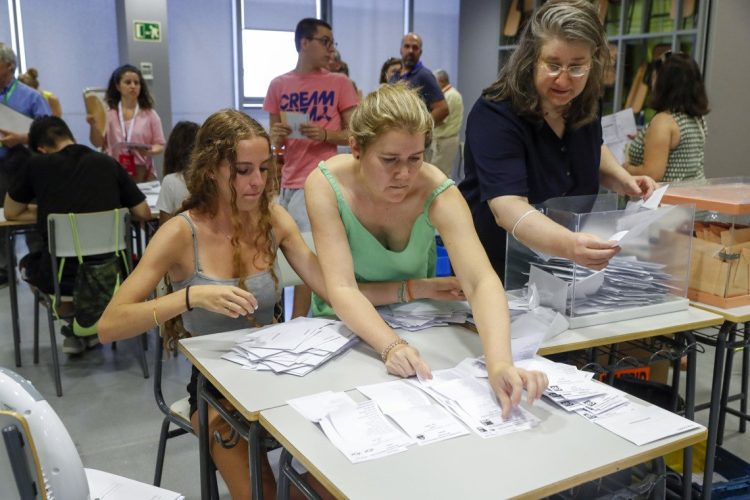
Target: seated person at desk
{"x":671,"y":147}
{"x":535,"y":134}
{"x":176,"y":158}
{"x":374,"y":214}
{"x":220,"y":255}
{"x":66,"y":177}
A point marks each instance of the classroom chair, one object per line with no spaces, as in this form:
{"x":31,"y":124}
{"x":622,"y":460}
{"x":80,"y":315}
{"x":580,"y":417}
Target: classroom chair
{"x":98,"y":233}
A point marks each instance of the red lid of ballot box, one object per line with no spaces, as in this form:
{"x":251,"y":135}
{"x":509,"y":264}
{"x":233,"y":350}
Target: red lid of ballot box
{"x":728,"y":195}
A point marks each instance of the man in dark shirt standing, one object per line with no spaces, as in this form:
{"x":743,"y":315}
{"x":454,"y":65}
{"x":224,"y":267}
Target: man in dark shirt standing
{"x":66,"y":177}
{"x":420,"y":77}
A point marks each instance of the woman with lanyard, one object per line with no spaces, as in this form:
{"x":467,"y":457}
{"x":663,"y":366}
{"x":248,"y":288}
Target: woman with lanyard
{"x":133,"y":133}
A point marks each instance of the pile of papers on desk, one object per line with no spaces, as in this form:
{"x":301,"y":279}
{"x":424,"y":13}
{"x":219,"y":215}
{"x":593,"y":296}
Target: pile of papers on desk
{"x":401,"y":413}
{"x":151,"y":189}
{"x":296,"y":347}
{"x":575,"y":391}
{"x":422,"y":314}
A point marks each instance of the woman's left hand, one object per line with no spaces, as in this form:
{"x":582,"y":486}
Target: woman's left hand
{"x":509,"y":381}
{"x":642,"y":186}
{"x":313,"y":132}
{"x":448,"y":288}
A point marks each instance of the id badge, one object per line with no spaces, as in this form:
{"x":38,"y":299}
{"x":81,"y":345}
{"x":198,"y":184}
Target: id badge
{"x":127,"y":160}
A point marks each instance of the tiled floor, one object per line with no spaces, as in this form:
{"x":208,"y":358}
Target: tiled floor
{"x":109,"y":410}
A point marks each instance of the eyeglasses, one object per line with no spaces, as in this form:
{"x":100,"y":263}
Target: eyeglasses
{"x":325,"y":41}
{"x":575,"y":71}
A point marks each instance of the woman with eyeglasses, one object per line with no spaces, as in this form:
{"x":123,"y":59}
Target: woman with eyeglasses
{"x":535,"y":134}
{"x":671,"y":147}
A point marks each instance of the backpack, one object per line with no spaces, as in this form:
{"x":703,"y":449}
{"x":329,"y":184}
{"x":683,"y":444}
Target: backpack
{"x":95,"y":283}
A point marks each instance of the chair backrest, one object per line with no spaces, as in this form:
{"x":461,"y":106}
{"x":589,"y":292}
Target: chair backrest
{"x":96,"y":233}
{"x":288,"y":276}
{"x":20,"y":469}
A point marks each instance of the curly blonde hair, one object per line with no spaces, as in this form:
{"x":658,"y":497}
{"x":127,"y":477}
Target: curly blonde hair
{"x":217,"y":141}
{"x":391,"y":107}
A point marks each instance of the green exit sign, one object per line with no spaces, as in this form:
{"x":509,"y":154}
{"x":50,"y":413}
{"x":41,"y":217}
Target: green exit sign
{"x":147,"y":31}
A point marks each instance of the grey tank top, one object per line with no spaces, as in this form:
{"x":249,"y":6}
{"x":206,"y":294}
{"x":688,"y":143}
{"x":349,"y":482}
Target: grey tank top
{"x":201,"y":322}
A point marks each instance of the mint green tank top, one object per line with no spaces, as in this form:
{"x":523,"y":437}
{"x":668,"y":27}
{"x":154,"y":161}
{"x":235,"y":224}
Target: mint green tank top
{"x":372,"y":261}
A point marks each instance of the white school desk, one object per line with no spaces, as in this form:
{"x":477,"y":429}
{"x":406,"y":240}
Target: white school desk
{"x":725,"y":343}
{"x":443,"y":347}
{"x":563,"y":451}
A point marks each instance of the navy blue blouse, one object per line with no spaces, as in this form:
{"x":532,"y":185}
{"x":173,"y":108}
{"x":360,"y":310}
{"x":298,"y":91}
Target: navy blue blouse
{"x":506,"y":154}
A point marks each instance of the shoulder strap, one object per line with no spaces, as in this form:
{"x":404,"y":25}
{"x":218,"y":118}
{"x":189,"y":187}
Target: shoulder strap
{"x":332,"y":181}
{"x":435,"y":192}
{"x":197,"y":258}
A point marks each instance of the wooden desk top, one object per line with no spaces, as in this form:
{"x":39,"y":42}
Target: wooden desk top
{"x":734,"y":314}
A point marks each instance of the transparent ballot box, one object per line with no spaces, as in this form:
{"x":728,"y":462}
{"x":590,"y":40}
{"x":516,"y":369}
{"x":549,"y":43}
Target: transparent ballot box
{"x":720,"y":265}
{"x":648,"y":276}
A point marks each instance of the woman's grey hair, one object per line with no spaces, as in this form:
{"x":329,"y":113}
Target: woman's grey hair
{"x":7,"y":55}
{"x":568,"y":20}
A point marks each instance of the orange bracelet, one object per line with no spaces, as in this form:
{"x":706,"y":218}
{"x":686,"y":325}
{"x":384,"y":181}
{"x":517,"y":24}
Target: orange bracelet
{"x":409,"y":291}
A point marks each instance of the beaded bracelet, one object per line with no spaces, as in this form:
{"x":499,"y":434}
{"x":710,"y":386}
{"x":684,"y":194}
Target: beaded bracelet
{"x":389,"y":348}
{"x":402,"y":293}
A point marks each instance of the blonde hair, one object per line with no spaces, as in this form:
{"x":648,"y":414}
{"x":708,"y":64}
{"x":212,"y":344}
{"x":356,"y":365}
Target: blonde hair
{"x":216,"y":141}
{"x":390,"y":107}
{"x":30,"y":78}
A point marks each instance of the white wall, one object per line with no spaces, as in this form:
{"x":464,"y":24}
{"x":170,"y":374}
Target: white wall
{"x":727,"y":77}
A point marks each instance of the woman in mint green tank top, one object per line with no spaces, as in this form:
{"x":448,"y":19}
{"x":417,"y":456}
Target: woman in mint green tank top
{"x":374,"y":214}
{"x":671,"y":147}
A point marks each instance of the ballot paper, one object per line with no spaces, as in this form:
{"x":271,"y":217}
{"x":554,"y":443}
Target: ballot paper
{"x":421,"y":314}
{"x":296,"y":347}
{"x":294,"y":119}
{"x":106,"y":486}
{"x":364,"y":433}
{"x":652,"y":203}
{"x":616,"y":129}
{"x":151,"y":190}
{"x":645,"y":424}
{"x":317,"y":406}
{"x":424,"y":421}
{"x":474,"y":403}
{"x":626,"y":282}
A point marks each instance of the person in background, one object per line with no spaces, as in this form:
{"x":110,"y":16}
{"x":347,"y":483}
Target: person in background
{"x":445,"y":141}
{"x":133,"y":134}
{"x":374,"y":214}
{"x":391,"y":66}
{"x":327,"y":100}
{"x":421,"y":78}
{"x":671,"y":146}
{"x":176,"y":159}
{"x":337,"y":65}
{"x":66,"y":178}
{"x":31,"y":78}
{"x":535,"y":134}
{"x":13,"y":153}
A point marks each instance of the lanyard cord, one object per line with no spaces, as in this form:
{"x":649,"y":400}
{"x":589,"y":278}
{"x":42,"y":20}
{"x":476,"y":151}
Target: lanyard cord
{"x":129,"y":132}
{"x":10,"y":91}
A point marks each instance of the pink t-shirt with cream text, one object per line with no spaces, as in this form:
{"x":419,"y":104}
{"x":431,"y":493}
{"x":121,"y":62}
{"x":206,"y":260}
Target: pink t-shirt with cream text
{"x":323,"y":96}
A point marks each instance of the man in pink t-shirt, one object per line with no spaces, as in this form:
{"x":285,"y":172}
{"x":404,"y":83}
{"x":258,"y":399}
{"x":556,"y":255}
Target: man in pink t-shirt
{"x":328,"y":100}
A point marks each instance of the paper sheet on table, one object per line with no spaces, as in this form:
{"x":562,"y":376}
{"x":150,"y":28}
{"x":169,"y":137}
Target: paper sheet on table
{"x":151,"y":190}
{"x":645,"y":424}
{"x":615,"y":131}
{"x":294,"y":119}
{"x":316,"y":406}
{"x":414,"y":411}
{"x":541,"y":321}
{"x":13,"y":121}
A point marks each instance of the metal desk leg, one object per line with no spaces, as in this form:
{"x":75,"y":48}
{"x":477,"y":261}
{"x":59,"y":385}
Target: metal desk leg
{"x":713,"y":417}
{"x":687,"y":453}
{"x":726,"y":383}
{"x":10,"y":248}
{"x":287,"y":476}
{"x":203,"y":450}
{"x":256,"y":470}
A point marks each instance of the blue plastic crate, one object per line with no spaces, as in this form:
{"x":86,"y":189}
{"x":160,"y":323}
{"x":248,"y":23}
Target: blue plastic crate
{"x":737,"y":472}
{"x":443,"y":265}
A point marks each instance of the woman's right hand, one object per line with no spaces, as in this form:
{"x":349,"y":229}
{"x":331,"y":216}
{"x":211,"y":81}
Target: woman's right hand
{"x":405,"y":361}
{"x":591,"y":251}
{"x":279,"y":133}
{"x":447,"y":288}
{"x":228,"y":300}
